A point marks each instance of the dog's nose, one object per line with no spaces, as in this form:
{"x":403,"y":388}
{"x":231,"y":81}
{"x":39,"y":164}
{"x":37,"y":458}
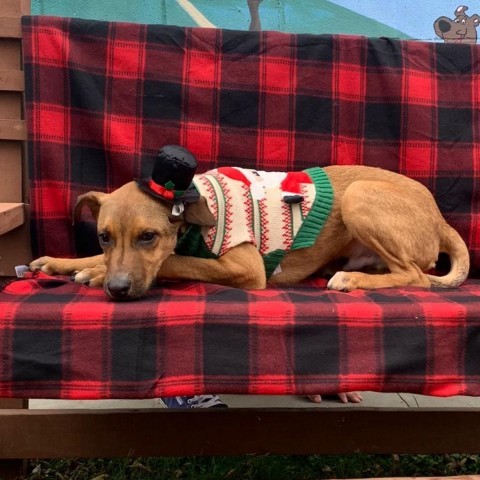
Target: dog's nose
{"x":119,"y":287}
{"x":444,"y":26}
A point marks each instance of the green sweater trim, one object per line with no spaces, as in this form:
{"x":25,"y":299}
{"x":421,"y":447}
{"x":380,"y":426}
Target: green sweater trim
{"x":192,"y":244}
{"x":320,"y":211}
{"x":272,"y":260}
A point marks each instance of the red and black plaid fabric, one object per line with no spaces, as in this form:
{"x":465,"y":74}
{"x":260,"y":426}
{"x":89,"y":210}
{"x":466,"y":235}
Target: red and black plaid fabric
{"x":62,"y":340}
{"x":103,"y":97}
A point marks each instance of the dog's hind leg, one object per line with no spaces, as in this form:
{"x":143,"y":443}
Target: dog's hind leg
{"x":348,"y":281}
{"x":240,"y":267}
{"x":397,"y":224}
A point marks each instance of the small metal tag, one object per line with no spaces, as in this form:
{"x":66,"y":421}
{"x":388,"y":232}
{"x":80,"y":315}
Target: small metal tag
{"x":178,"y":209}
{"x":20,"y":270}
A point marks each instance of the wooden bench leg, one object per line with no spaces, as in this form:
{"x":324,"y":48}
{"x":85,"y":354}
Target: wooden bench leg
{"x":11,"y":469}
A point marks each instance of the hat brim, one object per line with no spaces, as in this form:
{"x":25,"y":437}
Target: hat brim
{"x":191,"y":194}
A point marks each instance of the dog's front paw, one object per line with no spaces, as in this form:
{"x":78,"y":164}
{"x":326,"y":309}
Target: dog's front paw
{"x":343,"y":282}
{"x":93,"y":277}
{"x":52,"y":266}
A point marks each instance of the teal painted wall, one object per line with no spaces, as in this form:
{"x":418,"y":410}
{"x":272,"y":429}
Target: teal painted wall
{"x":307,"y":16}
{"x":392,"y":18}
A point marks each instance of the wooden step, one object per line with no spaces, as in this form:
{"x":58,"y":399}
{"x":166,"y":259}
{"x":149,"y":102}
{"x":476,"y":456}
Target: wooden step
{"x":12,"y":215}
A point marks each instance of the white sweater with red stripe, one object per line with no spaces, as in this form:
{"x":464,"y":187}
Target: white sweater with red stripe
{"x":249,"y":206}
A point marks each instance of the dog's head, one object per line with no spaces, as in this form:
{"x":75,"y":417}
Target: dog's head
{"x":462,"y":29}
{"x":137,"y":233}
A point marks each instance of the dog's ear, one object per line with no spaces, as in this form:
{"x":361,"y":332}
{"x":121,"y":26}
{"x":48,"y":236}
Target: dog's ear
{"x":198,"y":213}
{"x":92,"y":200}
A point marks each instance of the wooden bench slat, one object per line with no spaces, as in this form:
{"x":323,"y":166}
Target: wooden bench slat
{"x":12,"y":8}
{"x":12,"y":215}
{"x":13,"y":129}
{"x":119,"y":433}
{"x":12,"y":80}
{"x":10,"y":27}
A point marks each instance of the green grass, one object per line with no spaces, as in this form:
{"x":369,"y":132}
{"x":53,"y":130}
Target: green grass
{"x":263,"y":467}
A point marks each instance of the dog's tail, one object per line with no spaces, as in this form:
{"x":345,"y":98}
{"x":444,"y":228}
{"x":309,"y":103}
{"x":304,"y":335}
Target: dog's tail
{"x":452,"y":244}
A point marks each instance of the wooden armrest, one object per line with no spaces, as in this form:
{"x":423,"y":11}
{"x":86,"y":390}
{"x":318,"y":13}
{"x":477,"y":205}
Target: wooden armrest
{"x":10,"y":28}
{"x":12,"y":215}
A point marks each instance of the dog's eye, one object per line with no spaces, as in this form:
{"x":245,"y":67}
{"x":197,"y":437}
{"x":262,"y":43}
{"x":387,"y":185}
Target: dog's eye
{"x":104,"y":238}
{"x":147,"y":237}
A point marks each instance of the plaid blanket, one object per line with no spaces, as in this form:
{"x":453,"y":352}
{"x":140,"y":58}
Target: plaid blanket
{"x":103,"y":97}
{"x":62,"y":340}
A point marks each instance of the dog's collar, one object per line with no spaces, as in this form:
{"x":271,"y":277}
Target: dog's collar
{"x":190,"y":242}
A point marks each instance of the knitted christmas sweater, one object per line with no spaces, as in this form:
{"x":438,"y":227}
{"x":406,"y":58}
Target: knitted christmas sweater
{"x":256,"y":207}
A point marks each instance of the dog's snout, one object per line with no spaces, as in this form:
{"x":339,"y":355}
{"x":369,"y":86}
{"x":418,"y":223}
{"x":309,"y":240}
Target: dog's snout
{"x":119,"y":286}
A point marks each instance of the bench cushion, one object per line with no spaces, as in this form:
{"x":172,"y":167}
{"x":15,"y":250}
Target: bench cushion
{"x":103,"y":97}
{"x":62,"y":340}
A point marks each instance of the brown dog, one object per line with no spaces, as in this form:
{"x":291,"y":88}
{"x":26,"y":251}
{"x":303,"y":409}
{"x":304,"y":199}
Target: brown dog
{"x":377,"y":219}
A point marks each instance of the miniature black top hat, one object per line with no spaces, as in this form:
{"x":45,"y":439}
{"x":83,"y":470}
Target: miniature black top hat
{"x":172,"y":176}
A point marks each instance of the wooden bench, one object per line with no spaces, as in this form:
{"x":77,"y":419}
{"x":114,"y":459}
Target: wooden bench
{"x":110,"y":433}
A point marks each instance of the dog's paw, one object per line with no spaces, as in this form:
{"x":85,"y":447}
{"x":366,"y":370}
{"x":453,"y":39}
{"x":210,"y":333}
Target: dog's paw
{"x":347,"y":397}
{"x":350,"y":397}
{"x":52,"y":266}
{"x":93,"y":277}
{"x":342,"y":281}
{"x":39,"y":263}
